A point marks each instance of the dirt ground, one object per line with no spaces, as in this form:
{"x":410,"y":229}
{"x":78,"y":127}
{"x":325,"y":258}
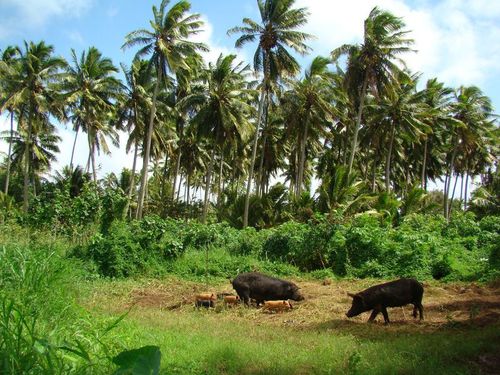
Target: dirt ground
{"x":327,"y":302}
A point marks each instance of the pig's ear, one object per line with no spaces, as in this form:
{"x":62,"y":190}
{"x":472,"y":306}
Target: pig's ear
{"x":351,"y":295}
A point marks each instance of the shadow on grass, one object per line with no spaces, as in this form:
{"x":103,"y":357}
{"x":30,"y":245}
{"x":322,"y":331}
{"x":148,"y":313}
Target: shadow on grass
{"x":228,"y":360}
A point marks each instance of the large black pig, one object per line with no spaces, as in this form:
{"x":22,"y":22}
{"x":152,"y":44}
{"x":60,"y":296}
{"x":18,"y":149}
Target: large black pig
{"x":395,"y":293}
{"x":264,"y":288}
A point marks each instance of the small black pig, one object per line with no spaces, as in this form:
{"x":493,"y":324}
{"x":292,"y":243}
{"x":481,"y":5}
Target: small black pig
{"x":392,"y":294}
{"x":264,"y":288}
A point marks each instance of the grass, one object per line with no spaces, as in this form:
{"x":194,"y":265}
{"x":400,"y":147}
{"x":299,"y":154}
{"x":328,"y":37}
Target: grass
{"x":55,"y":318}
{"x":314,"y":338}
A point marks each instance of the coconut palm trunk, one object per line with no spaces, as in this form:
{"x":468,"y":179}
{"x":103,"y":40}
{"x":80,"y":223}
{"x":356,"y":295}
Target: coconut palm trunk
{"x":207,"y":186}
{"x":147,"y":150}
{"x":27,"y":165}
{"x":261,"y":166}
{"x":9,"y":153}
{"x":354,"y":144}
{"x":452,"y":195}
{"x":73,"y":149}
{"x":176,"y":173}
{"x":466,"y":187}
{"x":448,"y":181}
{"x":221,"y":170}
{"x":179,"y":187}
{"x":132,"y":180}
{"x":424,"y":166}
{"x":254,"y":154}
{"x":388,"y":159}
{"x":374,"y":174}
{"x":302,"y":157}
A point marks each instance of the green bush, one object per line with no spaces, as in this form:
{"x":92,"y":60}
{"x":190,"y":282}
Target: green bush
{"x":219,"y":263}
{"x":249,"y":241}
{"x":422,"y":246}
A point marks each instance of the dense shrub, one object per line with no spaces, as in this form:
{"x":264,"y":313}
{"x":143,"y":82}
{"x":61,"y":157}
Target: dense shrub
{"x":219,"y":263}
{"x":422,"y":246}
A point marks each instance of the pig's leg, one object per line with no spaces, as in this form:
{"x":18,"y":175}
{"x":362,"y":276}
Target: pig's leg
{"x":420,"y":311}
{"x":373,"y":315}
{"x":415,"y":310}
{"x":244,"y":295}
{"x":386,"y":316}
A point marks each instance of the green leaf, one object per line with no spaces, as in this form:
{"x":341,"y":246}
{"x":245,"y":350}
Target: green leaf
{"x":142,"y":361}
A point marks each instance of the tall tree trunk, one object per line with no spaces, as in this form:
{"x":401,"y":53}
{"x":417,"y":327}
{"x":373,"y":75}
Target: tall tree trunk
{"x":452,"y":196}
{"x":219,"y":185}
{"x":303,"y":156}
{"x":7,"y":175}
{"x":164,"y":179}
{"x":264,"y":143}
{"x":297,"y":166}
{"x":73,"y":149}
{"x":87,"y":166}
{"x":466,"y":187}
{"x":147,"y":150}
{"x":424,"y":166}
{"x":179,"y":187}
{"x":261,"y":165}
{"x":92,"y":154}
{"x":374,"y":174}
{"x":132,"y":181}
{"x":451,"y":170}
{"x":388,"y":160}
{"x":27,"y":164}
{"x":445,"y":191}
{"x":358,"y":124}
{"x":207,"y":186}
{"x":188,"y":187}
{"x":254,"y":154}
{"x":461,"y":188}
{"x":177,"y":167}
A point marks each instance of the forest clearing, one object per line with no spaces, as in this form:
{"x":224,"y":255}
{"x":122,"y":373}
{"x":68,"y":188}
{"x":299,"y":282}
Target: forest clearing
{"x":316,"y":336}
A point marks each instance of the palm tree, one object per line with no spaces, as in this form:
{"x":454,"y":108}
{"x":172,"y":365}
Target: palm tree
{"x":169,"y":47}
{"x":312,"y":98}
{"x":223,"y":110}
{"x":134,"y":108}
{"x":437,"y":97}
{"x":401,"y":110}
{"x":186,"y":81}
{"x":9,"y":67}
{"x":35,"y":79}
{"x":41,"y":149}
{"x":374,"y":64}
{"x":276,"y":32}
{"x":91,"y":91}
{"x":473,"y":111}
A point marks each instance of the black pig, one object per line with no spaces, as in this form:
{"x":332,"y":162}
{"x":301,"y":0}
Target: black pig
{"x":264,"y":288}
{"x":395,"y":293}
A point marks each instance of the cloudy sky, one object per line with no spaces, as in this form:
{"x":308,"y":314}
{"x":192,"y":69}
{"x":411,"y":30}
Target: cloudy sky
{"x":458,"y":41}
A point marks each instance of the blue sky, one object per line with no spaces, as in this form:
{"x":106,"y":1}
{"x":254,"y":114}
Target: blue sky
{"x":457,"y":40}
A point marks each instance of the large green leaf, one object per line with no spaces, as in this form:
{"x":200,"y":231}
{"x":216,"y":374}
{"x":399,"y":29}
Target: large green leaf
{"x":142,"y":361}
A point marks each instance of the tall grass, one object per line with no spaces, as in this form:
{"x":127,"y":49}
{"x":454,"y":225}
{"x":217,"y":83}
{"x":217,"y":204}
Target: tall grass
{"x":42,"y":329}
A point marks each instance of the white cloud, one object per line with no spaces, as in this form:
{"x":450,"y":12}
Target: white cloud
{"x":457,"y":40}
{"x":114,"y":162}
{"x":76,"y":37}
{"x":33,"y":14}
{"x":112,"y":11}
{"x":216,"y":46}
